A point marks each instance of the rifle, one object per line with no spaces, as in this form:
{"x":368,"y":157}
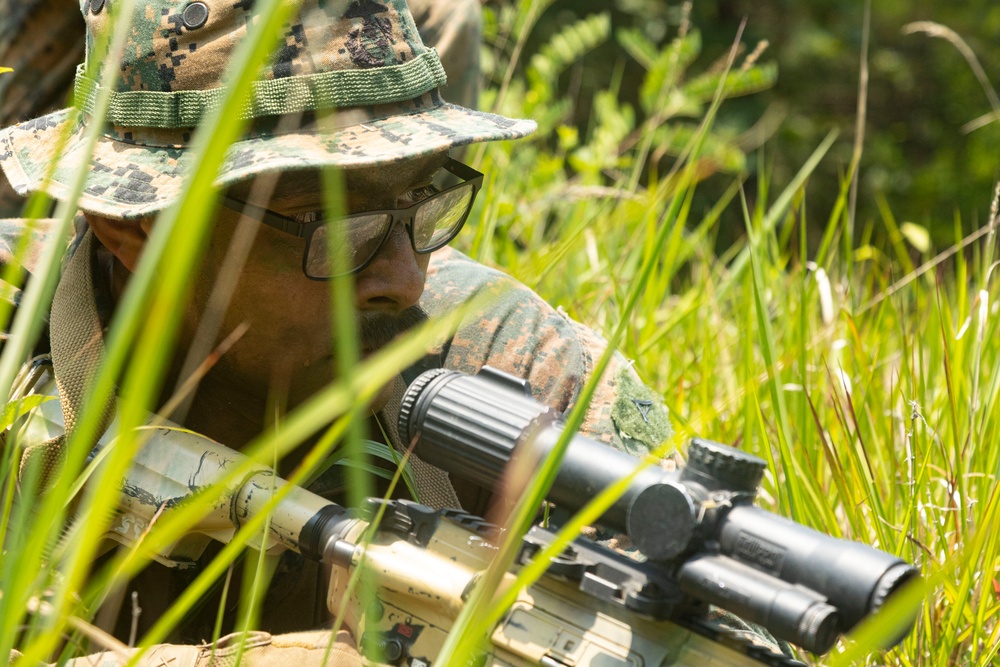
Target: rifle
{"x":704,"y":541}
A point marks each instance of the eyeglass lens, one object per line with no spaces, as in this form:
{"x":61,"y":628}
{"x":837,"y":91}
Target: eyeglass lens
{"x":436,"y":220}
{"x":363,"y":234}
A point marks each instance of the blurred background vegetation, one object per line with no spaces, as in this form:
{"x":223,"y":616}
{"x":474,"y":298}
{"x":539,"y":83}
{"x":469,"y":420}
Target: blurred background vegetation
{"x":920,"y":151}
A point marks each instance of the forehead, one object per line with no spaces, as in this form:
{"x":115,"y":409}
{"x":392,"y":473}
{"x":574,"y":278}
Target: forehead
{"x":394,"y":177}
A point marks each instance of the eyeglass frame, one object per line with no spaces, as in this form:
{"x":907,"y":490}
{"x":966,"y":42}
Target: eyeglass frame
{"x":408,"y":215}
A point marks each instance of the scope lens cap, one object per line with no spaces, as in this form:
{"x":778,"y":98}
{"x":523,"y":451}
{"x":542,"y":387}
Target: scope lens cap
{"x":662,"y":521}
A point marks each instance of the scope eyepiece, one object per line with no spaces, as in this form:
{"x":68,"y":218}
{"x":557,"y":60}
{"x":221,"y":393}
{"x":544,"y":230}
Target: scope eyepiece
{"x":468,"y":424}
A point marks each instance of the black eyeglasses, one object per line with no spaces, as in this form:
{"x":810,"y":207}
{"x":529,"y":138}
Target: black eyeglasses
{"x":432,"y":222}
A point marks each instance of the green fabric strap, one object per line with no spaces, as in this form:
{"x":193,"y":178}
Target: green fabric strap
{"x":310,"y":92}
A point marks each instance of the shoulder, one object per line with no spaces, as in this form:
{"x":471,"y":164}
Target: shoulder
{"x":21,"y":241}
{"x":518,"y":332}
{"x":21,"y":244}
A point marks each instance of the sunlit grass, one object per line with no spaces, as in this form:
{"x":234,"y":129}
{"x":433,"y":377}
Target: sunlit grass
{"x":869,"y":384}
{"x":867,"y":418}
{"x":867,"y":376}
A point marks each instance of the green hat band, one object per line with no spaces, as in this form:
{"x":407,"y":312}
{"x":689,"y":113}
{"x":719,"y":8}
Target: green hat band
{"x":295,"y":94}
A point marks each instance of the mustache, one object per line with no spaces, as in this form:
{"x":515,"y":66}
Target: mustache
{"x":376,"y":330}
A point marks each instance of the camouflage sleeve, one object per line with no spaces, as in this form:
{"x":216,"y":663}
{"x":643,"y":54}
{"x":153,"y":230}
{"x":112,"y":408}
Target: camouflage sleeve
{"x":523,"y":335}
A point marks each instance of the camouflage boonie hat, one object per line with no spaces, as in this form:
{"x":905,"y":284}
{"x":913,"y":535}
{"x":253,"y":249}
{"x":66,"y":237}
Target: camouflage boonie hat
{"x":360,"y":63}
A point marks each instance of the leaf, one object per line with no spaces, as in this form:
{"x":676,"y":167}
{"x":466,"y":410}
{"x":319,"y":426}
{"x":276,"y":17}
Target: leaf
{"x":569,"y":45}
{"x":918,"y":236}
{"x":674,"y":138}
{"x":375,"y":450}
{"x":16,"y":409}
{"x":637,"y":46}
{"x":365,"y":467}
{"x":668,"y":70}
{"x":739,"y":82}
{"x":615,"y":121}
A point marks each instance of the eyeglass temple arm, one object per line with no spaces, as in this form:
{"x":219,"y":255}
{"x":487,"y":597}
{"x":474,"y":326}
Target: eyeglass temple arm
{"x":272,"y":219}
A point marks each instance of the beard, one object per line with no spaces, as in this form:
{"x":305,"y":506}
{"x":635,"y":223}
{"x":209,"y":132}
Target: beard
{"x":295,"y":379}
{"x":376,"y":330}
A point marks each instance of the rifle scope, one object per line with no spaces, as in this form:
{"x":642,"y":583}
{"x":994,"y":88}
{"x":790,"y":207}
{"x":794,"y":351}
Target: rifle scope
{"x":700,"y":520}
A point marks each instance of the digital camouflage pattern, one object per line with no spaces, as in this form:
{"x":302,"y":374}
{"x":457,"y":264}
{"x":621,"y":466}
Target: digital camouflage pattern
{"x":42,"y":41}
{"x":364,"y":58}
{"x":523,"y":335}
{"x":518,"y":332}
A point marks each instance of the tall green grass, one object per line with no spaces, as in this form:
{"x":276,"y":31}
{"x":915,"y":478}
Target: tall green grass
{"x":867,"y":375}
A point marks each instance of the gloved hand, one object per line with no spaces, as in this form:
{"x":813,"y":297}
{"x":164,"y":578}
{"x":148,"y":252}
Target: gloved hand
{"x":260,"y":649}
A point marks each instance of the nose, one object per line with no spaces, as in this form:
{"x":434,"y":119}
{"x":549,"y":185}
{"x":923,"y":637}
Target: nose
{"x":394,"y":280}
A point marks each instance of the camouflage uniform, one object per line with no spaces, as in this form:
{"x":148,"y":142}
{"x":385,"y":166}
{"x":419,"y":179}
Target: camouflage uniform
{"x":518,"y":333}
{"x":527,"y":337}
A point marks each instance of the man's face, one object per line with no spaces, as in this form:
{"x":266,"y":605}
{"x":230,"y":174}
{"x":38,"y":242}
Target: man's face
{"x":288,"y":346}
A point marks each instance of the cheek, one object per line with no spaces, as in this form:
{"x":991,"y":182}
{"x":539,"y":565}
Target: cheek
{"x":288,"y":341}
{"x":283,"y":308}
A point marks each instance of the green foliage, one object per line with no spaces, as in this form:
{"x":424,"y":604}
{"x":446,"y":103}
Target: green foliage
{"x":922,"y":95}
{"x":613,"y":123}
{"x":665,"y":70}
{"x":673,"y":139}
{"x":566,"y":47}
{"x":14,"y":410}
{"x":869,"y":378}
{"x":753,"y":79}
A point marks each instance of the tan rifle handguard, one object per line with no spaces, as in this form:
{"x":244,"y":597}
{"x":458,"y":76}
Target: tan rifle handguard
{"x":414,"y":594}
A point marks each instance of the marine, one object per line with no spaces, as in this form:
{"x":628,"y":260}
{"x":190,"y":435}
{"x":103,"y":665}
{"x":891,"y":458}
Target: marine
{"x":393,"y":140}
{"x":139,"y":167}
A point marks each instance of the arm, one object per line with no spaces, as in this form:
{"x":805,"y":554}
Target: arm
{"x":523,"y":335}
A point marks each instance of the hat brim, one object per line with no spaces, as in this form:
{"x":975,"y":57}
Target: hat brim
{"x":130,"y":180}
